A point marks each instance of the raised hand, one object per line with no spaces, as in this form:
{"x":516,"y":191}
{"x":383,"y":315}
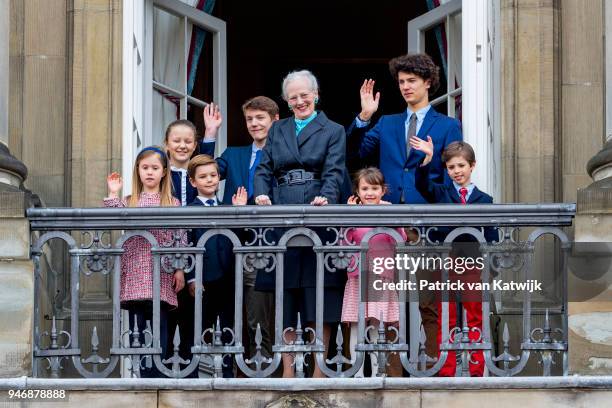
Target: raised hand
{"x":212,"y":120}
{"x":263,"y":200}
{"x":353,"y":200}
{"x":369,"y":100}
{"x":319,"y":200}
{"x":241,"y":196}
{"x":426,"y":147}
{"x":115,"y":183}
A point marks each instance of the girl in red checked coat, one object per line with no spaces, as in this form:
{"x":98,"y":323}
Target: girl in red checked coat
{"x":151,"y":188}
{"x":369,"y":187}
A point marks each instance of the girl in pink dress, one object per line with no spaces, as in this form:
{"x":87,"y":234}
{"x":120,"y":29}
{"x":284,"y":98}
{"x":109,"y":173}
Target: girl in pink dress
{"x":151,"y":188}
{"x":369,"y":187}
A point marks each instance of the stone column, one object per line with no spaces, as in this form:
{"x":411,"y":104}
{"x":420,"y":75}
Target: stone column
{"x":589,"y":321}
{"x":16,"y":271}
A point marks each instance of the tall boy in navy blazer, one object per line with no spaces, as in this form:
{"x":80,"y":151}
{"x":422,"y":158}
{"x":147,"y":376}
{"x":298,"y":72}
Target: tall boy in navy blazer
{"x":460,"y":161}
{"x":237,"y":167}
{"x":418,"y":78}
{"x":218,"y":268}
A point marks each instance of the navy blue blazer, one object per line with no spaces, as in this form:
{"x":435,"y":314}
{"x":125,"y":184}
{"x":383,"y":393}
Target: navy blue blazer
{"x":234,"y":169}
{"x":219,"y":256}
{"x":206,"y":148}
{"x":388,"y":138}
{"x":178,"y":180}
{"x":447,"y":194}
{"x":177,"y":185}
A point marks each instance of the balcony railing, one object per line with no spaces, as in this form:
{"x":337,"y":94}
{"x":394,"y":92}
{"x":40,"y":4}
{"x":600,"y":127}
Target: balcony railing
{"x":518,"y":228}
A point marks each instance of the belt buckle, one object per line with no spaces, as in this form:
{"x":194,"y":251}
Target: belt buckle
{"x":295,"y":177}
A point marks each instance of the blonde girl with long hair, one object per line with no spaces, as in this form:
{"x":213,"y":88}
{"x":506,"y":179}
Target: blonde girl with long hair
{"x":151,"y":187}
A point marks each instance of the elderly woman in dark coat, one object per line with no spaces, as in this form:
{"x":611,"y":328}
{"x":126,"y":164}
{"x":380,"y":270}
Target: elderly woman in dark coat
{"x":305,"y":154}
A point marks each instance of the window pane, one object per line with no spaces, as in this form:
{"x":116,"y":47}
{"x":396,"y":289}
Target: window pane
{"x":436,"y":47}
{"x":169,"y":50}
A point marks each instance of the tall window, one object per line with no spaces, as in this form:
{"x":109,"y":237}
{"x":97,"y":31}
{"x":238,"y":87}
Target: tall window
{"x":163,"y":43}
{"x":464,"y":35}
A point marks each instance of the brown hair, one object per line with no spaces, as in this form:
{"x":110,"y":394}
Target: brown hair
{"x":462,"y":149}
{"x":181,"y":122}
{"x":418,"y":64}
{"x":200,"y":160}
{"x":262,"y":103}
{"x":165,"y":184}
{"x":370,"y":175}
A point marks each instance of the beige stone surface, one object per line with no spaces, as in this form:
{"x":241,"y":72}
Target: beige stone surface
{"x":582,"y":22}
{"x":37,"y":116}
{"x":96,"y":102}
{"x":41,"y":35}
{"x":249,"y":398}
{"x":16,"y":312}
{"x":582,"y":125}
{"x":516,"y":398}
{"x":14,"y":238}
{"x":571,"y":184}
{"x":102,"y":399}
{"x":530,"y":76}
{"x":590,"y":337}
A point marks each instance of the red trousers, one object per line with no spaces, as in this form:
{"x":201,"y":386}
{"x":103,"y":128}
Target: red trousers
{"x":474,"y":317}
{"x":473,"y":308}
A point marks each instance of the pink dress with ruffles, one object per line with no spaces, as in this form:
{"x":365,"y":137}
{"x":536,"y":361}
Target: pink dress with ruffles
{"x":137,"y":260}
{"x":380,"y":245}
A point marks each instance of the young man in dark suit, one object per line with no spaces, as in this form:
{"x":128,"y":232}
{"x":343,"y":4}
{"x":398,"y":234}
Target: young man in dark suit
{"x":218,"y":271}
{"x":237,"y":166}
{"x":417,"y":78}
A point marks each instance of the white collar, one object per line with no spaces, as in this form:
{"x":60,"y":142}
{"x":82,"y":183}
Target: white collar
{"x":204,"y":199}
{"x":184,"y":171}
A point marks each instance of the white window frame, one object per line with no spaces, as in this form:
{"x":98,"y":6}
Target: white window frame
{"x":416,"y":43}
{"x":138,"y":84}
{"x":480,"y":81}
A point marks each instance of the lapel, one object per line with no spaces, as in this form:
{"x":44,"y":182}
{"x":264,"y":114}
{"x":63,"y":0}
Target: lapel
{"x":196,"y":202}
{"x":287,"y":129}
{"x":475,"y":196}
{"x":244,"y":160}
{"x":400,"y":134}
{"x":313,"y":127}
{"x":454,"y":195}
{"x":428,"y":121}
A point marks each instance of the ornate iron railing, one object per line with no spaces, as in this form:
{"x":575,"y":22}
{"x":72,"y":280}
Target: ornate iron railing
{"x":85,"y":233}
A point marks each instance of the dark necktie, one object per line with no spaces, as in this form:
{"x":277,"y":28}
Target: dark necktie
{"x":411,"y":132}
{"x":252,"y":169}
{"x":463,"y":191}
{"x":210,"y":202}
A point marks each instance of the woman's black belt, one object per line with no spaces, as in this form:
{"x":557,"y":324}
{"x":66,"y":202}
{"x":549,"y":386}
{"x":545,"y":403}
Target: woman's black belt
{"x":297,"y":176}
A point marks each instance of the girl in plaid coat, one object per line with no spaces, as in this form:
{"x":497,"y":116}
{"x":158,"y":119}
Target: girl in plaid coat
{"x":151,"y":188}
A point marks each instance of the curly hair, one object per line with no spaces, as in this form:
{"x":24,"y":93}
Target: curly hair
{"x":418,"y":64}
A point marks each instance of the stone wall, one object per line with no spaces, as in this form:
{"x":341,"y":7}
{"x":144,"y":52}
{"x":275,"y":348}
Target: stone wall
{"x":17,"y":288}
